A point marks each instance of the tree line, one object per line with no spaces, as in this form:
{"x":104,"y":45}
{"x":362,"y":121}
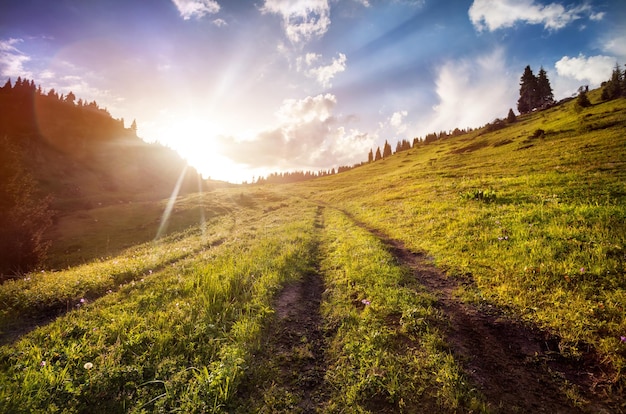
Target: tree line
{"x":28,"y":114}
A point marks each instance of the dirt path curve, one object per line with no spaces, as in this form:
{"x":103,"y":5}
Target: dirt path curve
{"x":518,"y":368}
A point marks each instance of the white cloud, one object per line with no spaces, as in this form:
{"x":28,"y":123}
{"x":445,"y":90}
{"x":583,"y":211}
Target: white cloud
{"x":472,"y":93}
{"x":497,"y":14}
{"x":397,"y":121}
{"x":325,"y":73}
{"x":220,"y":22}
{"x":307,"y":137}
{"x":12,"y":60}
{"x":594,"y":69}
{"x":302,"y":19}
{"x":196,"y":8}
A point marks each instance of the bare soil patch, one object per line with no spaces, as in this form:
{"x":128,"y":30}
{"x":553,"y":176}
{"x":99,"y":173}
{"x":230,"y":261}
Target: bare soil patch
{"x":290,"y":365}
{"x":517,"y":367}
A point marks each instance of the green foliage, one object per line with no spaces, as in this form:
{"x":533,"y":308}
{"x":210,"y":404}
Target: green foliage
{"x":582,"y":101}
{"x":511,"y":118}
{"x":535,"y":91}
{"x":486,"y":196}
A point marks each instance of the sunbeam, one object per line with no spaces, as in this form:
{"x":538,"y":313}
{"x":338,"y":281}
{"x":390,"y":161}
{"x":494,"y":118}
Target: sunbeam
{"x":170,"y":205}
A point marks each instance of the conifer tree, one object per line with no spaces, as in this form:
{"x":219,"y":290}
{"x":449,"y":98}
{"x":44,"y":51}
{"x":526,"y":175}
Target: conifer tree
{"x":378,"y":155}
{"x":386,"y":150}
{"x":527,"y":91}
{"x":582,"y":101}
{"x":545,"y":97}
{"x":370,"y":156}
{"x":613,"y":89}
{"x":511,"y":118}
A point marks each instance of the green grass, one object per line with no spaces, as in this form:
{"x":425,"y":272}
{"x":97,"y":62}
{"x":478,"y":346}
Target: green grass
{"x":176,"y":339}
{"x":387,"y":354}
{"x":536,"y":220}
{"x":550,"y":242}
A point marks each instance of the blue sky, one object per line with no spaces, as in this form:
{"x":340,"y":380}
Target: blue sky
{"x":244,"y":88}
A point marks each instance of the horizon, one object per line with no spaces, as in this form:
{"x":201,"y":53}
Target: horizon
{"x":243,"y":90}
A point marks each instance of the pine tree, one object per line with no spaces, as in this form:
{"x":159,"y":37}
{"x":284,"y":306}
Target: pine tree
{"x":545,"y":97}
{"x":386,"y":150}
{"x":511,"y":118}
{"x":613,"y":89}
{"x":133,"y":126}
{"x":370,"y":156}
{"x":582,"y":101}
{"x":70,"y":98}
{"x":527,"y":91}
{"x":378,"y":155}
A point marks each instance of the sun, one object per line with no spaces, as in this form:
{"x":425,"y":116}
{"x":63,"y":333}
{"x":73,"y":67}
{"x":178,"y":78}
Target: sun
{"x":196,"y":140}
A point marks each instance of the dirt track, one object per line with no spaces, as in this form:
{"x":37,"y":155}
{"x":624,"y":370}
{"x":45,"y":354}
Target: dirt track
{"x":517,"y":367}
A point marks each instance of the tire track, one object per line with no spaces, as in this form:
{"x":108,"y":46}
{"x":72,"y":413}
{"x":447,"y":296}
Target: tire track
{"x":290,"y":364}
{"x":517,"y":367}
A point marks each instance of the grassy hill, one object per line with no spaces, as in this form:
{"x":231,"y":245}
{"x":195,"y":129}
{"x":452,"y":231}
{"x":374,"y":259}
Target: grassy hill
{"x":91,"y":166}
{"x":480,"y":273}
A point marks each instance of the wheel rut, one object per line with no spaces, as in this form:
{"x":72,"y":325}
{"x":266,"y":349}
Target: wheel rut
{"x":518,"y":368}
{"x":291,"y":362}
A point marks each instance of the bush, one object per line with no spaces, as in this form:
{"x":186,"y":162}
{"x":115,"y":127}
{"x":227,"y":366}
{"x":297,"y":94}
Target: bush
{"x":486,"y":196}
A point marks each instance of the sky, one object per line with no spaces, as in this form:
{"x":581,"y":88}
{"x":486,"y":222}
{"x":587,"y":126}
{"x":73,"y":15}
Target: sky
{"x":245,"y":88}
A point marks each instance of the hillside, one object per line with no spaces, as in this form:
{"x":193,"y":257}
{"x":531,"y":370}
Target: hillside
{"x":478,"y":273}
{"x":85,"y":160}
{"x":80,"y":154}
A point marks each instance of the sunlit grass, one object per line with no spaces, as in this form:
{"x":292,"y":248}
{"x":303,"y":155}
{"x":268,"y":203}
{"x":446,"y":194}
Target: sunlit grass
{"x":387,"y":352}
{"x":537,"y":221}
{"x":177,"y":339}
{"x":549,"y":244}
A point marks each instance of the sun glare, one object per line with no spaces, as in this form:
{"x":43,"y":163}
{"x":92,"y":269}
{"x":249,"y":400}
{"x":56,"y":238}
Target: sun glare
{"x":195,"y":139}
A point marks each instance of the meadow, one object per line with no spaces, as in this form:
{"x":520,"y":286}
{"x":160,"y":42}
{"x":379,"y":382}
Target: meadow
{"x":529,"y":220}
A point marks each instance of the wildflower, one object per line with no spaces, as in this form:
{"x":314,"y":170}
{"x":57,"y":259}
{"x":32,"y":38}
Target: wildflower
{"x":43,"y":363}
{"x":150,"y":271}
{"x":582,"y":270}
{"x":366,"y":302}
{"x":88,"y":365}
{"x":82,"y":300}
{"x":622,"y":339}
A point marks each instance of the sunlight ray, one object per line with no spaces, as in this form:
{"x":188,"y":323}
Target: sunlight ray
{"x":170,"y":205}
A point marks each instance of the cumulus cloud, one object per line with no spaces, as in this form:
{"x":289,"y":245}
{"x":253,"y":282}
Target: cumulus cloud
{"x":323,"y":73}
{"x":472,"y":93}
{"x":593,"y":69}
{"x":12,"y":60}
{"x":497,"y":14}
{"x":220,"y":22}
{"x":308,"y":136}
{"x":397,"y":121}
{"x":303,"y":19}
{"x":196,"y":8}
